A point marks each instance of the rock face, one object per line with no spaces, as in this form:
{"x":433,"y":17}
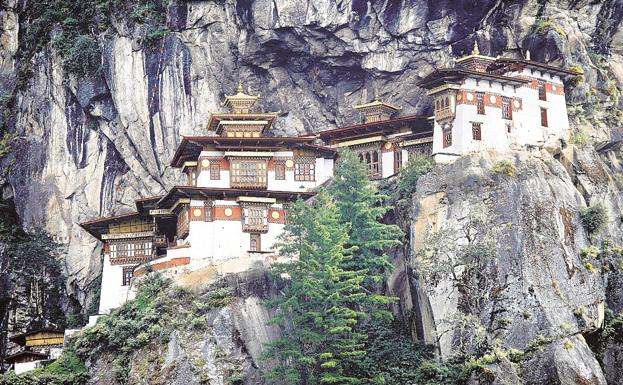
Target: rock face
{"x":87,"y":146}
{"x":545,"y":292}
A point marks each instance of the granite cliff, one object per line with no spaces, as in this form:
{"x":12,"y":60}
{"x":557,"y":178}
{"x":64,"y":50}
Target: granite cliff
{"x":89,"y":134}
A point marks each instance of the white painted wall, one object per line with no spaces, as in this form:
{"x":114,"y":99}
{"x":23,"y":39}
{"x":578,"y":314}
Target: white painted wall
{"x":387,"y":164}
{"x":113,"y":293}
{"x":526,"y":126}
{"x":324,"y":171}
{"x":26,"y":366}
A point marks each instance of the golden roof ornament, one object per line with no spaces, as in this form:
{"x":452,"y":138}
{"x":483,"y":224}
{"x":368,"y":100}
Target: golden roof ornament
{"x":475,"y":50}
{"x":240,"y":103}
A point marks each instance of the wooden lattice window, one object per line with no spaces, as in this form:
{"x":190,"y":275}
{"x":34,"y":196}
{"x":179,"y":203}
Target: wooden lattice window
{"x":544,"y":117}
{"x":420,"y":149}
{"x":305,"y":169}
{"x":372,"y":159}
{"x":215,"y":170}
{"x":480,"y":103}
{"x":254,"y":218}
{"x":476,"y":130}
{"x":192,"y":176}
{"x":447,"y":138}
{"x":248,"y":173}
{"x":255,"y":242}
{"x":507,"y":108}
{"x":208,"y":205}
{"x":542,"y":92}
{"x":127,"y":275}
{"x":182,"y":222}
{"x":397,"y":159}
{"x":280,"y":170}
{"x":132,"y":248}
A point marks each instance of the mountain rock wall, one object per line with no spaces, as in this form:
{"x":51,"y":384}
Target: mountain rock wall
{"x":546,"y":288}
{"x":87,"y":146}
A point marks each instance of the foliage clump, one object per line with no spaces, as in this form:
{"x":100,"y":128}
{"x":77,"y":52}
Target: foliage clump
{"x":67,"y":370}
{"x":593,"y":218}
{"x":542,"y":27}
{"x":158,"y":309}
{"x":333,"y":313}
{"x":73,"y":26}
{"x":505,"y":167}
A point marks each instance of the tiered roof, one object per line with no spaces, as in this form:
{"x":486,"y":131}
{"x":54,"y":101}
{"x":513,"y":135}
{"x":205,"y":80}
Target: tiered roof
{"x":483,"y":67}
{"x":415,"y":123}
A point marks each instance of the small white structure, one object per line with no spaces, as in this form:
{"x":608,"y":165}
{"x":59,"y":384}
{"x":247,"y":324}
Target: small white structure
{"x":36,"y":347}
{"x":489,"y":103}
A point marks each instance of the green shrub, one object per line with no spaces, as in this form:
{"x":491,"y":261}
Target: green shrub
{"x":580,"y":139}
{"x":84,"y":56}
{"x":593,"y":218}
{"x":154,"y":35}
{"x":505,"y":167}
{"x":401,"y":189}
{"x":544,"y":26}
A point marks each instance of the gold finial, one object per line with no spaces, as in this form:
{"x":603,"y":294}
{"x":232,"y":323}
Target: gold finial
{"x":528,"y":54}
{"x":475,"y":50}
{"x":240,"y":88}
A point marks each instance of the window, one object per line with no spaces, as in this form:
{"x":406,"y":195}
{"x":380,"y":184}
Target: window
{"x":447,"y":138}
{"x":397,"y":159}
{"x":255,"y":218}
{"x":127,"y":275}
{"x":507,"y":108}
{"x":208,"y":205}
{"x":248,"y":173}
{"x":192,"y":176}
{"x":280,"y":170}
{"x":135,"y":248}
{"x":372,"y":160}
{"x":182,"y":223}
{"x":476,"y":130}
{"x":215,"y":170}
{"x":255,"y":242}
{"x":305,"y":169}
{"x":542,"y":92}
{"x":544,"y":117}
{"x":480,"y":103}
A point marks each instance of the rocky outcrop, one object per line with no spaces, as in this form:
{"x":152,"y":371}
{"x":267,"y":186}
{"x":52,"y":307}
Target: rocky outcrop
{"x":544,"y":291}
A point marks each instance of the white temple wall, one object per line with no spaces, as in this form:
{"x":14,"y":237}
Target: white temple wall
{"x":387,"y":164}
{"x":114,"y":294}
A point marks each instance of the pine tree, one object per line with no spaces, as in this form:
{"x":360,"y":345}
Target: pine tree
{"x":318,"y":309}
{"x":361,"y":206}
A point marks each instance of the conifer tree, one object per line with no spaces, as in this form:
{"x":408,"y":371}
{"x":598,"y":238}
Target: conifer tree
{"x":318,"y":308}
{"x":361,"y":206}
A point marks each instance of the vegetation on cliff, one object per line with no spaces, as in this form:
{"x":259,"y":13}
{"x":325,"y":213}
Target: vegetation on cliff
{"x":333,"y":311}
{"x":32,"y":289}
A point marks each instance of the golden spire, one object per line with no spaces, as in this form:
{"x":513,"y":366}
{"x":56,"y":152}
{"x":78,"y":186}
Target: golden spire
{"x":475,"y":50}
{"x":240,"y":88}
{"x":528,"y":54}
